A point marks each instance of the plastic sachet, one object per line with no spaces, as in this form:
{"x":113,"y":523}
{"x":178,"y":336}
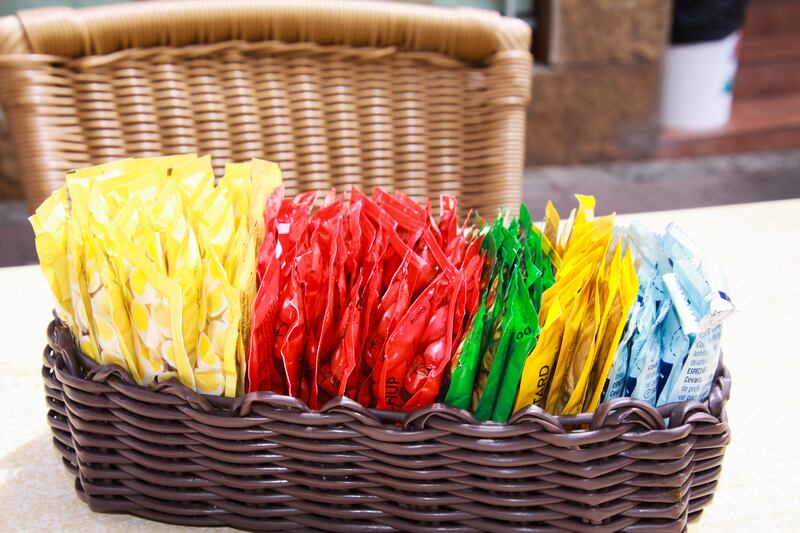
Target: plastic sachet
{"x":50,"y":225}
{"x":452,"y":296}
{"x":364,"y":299}
{"x":623,"y":288}
{"x":488,"y":365}
{"x":524,"y":330}
{"x":215,"y":370}
{"x":284,"y":230}
{"x":699,"y":291}
{"x":679,"y":292}
{"x":538,"y":369}
{"x":585,"y":247}
{"x":583,"y":312}
{"x":110,"y":318}
{"x":84,"y":331}
{"x":494,"y":342}
{"x":154,"y":264}
{"x":635,"y":365}
{"x":418,"y":345}
{"x":155,"y":302}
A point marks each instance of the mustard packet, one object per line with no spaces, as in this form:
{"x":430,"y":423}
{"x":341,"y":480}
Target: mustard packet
{"x":585,"y":302}
{"x":622,"y":301}
{"x":539,"y":365}
{"x":579,"y":330}
{"x":606,"y":290}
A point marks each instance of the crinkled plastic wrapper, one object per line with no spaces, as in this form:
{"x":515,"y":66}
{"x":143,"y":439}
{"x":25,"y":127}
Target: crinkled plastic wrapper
{"x":366,"y":298}
{"x":583,"y":313}
{"x":153,"y":265}
{"x":672,"y":339}
{"x":229,"y":286}
{"x":489,"y":367}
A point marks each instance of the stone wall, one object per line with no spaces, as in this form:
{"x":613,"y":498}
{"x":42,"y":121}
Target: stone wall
{"x":597,"y":80}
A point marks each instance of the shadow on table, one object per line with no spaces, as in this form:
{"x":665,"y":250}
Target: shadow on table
{"x":34,"y":486}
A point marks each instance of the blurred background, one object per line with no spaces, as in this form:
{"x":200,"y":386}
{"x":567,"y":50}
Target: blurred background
{"x":647,"y":104}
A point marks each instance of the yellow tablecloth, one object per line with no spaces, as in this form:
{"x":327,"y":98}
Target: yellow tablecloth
{"x":759,"y":245}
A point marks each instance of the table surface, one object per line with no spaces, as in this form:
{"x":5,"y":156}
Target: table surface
{"x":757,"y":243}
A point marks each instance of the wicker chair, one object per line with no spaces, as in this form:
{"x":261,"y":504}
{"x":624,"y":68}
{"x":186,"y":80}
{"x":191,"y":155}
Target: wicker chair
{"x":422,"y":99}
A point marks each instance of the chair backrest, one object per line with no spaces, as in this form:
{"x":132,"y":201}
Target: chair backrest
{"x":424,"y":99}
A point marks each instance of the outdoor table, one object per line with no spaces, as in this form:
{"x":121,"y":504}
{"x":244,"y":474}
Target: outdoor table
{"x":757,"y":243}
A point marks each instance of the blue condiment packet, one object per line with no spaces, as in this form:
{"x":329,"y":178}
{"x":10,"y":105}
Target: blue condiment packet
{"x":670,"y":346}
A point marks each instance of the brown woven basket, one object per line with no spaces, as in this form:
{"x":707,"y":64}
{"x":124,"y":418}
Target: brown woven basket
{"x":423,"y":99}
{"x":266,"y":462}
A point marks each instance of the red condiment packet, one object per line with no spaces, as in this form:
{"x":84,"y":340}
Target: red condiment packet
{"x":404,"y":366}
{"x":289,"y":330}
{"x":365,"y":300}
{"x":265,"y":366}
{"x":327,"y":239}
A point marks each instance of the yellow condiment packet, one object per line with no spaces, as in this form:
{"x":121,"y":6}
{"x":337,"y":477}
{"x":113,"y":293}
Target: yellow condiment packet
{"x":154,"y":267}
{"x":552,"y":222}
{"x":607,"y":288}
{"x":156,"y":309}
{"x":50,"y":228}
{"x":195,"y":181}
{"x":538,"y":369}
{"x":215,"y":371}
{"x":216,"y":223}
{"x":579,"y":331}
{"x":112,"y":327}
{"x":107,"y":197}
{"x":265,"y":177}
{"x":245,"y":281}
{"x":79,"y":293}
{"x":585,"y":296}
{"x":620,"y":307}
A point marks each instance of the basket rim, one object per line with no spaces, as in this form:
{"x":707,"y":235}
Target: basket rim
{"x":628,"y":414}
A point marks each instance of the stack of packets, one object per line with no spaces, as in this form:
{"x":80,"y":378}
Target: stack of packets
{"x":232,"y":288}
{"x":582,"y":315}
{"x":365,"y":299}
{"x":488,"y":364}
{"x":551,"y":348}
{"x":153,"y":265}
{"x":670,"y":348}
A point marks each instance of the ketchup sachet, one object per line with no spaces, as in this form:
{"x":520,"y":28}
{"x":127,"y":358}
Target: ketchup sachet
{"x":365,"y":298}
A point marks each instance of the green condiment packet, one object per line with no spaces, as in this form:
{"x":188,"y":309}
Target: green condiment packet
{"x":465,"y":362}
{"x":487,"y":367}
{"x":524,"y":327}
{"x":494,"y":358}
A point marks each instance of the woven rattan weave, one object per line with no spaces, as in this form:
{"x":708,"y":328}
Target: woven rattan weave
{"x":418,"y":98}
{"x":265,"y":462}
